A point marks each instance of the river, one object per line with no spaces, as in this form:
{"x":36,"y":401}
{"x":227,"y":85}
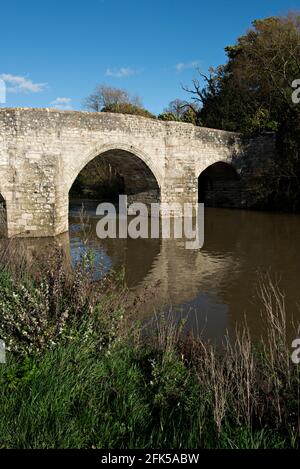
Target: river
{"x":214,"y":288}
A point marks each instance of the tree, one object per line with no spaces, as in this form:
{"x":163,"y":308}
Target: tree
{"x":104,"y":97}
{"x":177,"y":107}
{"x":167,"y":116}
{"x":180,"y":111}
{"x":191,"y":116}
{"x":252,"y":93}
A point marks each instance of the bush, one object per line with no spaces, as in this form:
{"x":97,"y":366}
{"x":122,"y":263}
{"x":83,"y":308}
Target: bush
{"x":128,"y":108}
{"x":101,"y":384}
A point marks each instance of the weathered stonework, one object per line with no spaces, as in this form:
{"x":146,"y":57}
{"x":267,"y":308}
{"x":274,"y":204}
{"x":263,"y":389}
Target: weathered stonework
{"x":43,"y":150}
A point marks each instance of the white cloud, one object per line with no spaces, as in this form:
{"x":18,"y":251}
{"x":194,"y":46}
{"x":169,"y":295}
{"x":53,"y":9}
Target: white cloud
{"x":62,"y":103}
{"x":184,"y":66}
{"x":18,"y":84}
{"x":120,"y":72}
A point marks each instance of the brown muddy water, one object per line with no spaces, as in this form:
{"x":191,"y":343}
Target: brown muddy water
{"x":214,"y":288}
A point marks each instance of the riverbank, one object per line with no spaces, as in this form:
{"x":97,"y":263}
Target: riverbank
{"x":80,"y":374}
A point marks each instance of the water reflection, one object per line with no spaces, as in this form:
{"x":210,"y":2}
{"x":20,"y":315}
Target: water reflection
{"x":215,"y":286}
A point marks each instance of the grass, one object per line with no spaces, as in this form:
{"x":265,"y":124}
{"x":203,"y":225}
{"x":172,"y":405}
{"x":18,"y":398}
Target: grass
{"x":97,"y":382}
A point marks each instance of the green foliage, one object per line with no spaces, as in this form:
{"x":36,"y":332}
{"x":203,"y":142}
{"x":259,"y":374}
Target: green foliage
{"x":19,"y":374}
{"x":167,"y":116}
{"x":252,"y":93}
{"x":254,"y":86}
{"x":190,"y":116}
{"x":104,"y":386}
{"x":75,"y":396}
{"x":36,"y":315}
{"x":180,"y":111}
{"x":260,"y":122}
{"x":31,"y":316}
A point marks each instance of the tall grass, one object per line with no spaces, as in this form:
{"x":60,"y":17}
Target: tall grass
{"x":95,"y":381}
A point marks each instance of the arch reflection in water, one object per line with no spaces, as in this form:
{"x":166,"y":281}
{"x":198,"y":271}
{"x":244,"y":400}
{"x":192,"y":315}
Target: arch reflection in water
{"x":217,"y":285}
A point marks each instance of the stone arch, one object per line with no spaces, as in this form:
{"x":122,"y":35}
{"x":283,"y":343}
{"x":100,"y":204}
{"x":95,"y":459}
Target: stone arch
{"x":105,"y":148}
{"x":138,"y":177}
{"x":219,"y":186}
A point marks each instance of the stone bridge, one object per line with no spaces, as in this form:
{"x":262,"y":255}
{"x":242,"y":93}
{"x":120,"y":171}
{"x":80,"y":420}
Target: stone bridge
{"x":42,"y":151}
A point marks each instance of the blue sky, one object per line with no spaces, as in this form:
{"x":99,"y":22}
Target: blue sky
{"x":53,"y":53}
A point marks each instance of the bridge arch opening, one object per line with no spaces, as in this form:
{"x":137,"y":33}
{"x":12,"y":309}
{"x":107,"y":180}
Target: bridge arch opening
{"x":3,"y":217}
{"x":219,"y":186}
{"x":114,"y":172}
